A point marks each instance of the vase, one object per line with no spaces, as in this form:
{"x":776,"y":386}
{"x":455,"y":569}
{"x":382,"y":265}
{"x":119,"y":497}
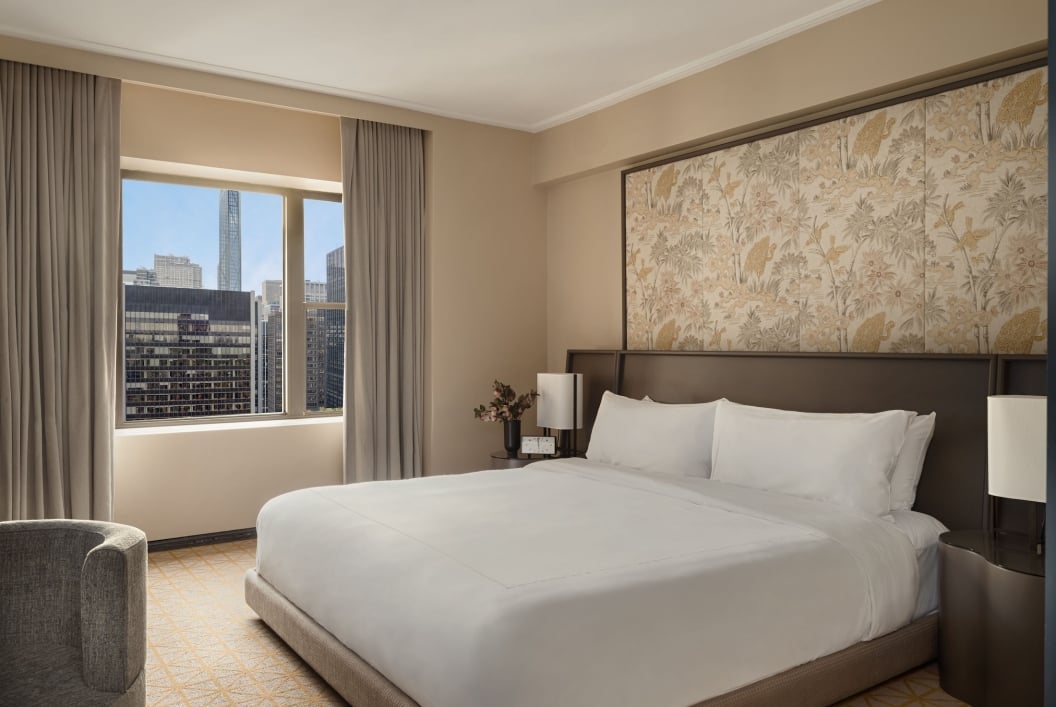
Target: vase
{"x":511,"y":437}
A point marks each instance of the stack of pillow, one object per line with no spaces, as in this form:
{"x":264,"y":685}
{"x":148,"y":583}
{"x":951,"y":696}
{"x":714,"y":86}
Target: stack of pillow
{"x":869,"y":461}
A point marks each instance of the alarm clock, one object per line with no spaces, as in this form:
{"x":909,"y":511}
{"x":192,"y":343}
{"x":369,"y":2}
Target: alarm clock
{"x":538,"y":445}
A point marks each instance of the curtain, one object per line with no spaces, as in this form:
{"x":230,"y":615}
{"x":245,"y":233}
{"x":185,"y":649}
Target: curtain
{"x":59,"y":267}
{"x":383,"y":174}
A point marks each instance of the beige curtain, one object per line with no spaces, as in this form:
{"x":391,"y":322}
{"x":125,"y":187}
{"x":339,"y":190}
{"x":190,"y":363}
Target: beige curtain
{"x":59,"y":269}
{"x":384,"y":197}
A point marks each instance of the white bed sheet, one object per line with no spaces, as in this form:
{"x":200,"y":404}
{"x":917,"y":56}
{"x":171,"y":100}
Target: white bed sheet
{"x":923,"y":532}
{"x":573,"y":583}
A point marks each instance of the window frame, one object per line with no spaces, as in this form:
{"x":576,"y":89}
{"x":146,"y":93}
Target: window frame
{"x":294,"y":328}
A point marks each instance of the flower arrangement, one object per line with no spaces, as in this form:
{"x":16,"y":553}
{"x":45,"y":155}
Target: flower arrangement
{"x":505,"y":405}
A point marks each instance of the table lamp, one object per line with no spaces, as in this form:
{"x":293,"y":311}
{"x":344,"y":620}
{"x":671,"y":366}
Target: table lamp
{"x":1015,"y":455}
{"x":560,"y":406}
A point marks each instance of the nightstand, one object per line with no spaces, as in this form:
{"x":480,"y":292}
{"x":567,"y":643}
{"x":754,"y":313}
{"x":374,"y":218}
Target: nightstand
{"x":991,"y":619}
{"x":499,"y":460}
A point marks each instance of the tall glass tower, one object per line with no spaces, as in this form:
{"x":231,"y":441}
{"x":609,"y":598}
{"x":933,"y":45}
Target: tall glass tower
{"x":229,"y":271}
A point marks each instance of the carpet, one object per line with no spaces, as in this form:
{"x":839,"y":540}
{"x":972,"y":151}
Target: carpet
{"x":206,"y":647}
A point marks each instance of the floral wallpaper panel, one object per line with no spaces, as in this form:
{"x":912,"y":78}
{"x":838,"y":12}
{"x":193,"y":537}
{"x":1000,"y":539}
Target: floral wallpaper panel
{"x":863,"y":191}
{"x":665,"y":258}
{"x":986,"y":217}
{"x":915,"y":227}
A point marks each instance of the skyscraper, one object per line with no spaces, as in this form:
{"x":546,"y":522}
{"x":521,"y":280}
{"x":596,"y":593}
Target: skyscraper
{"x":229,"y":271}
{"x":335,"y":329}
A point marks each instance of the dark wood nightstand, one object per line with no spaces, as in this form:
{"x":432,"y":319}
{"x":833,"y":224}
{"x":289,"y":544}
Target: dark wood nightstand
{"x":991,"y":619}
{"x":499,"y":460}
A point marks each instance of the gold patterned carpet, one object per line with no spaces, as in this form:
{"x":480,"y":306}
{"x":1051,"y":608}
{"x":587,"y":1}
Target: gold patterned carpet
{"x":206,"y":647}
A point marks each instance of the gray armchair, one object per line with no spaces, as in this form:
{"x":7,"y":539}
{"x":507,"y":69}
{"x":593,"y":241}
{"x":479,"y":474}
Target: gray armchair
{"x":72,"y":613}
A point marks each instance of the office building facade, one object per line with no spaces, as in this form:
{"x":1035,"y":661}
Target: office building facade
{"x":187,"y":352}
{"x":335,"y":329}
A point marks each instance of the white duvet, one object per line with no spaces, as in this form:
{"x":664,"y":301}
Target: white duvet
{"x":573,"y":583}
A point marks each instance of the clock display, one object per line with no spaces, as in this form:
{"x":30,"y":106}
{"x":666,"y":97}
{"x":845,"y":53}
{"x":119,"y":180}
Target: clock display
{"x":538,"y":445}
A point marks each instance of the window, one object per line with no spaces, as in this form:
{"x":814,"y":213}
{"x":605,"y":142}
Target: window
{"x":208,"y":328}
{"x":324,"y":269}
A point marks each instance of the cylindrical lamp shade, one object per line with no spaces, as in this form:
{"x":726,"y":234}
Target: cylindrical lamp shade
{"x":1015,"y":431}
{"x":560,"y":402}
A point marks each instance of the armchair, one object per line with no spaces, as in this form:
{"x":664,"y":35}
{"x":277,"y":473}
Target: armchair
{"x":72,"y":613}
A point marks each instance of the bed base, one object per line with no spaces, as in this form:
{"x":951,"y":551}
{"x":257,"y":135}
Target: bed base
{"x":815,"y":684}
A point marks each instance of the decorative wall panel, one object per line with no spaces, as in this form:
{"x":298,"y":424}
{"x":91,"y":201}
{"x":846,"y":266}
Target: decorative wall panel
{"x":914,"y":227}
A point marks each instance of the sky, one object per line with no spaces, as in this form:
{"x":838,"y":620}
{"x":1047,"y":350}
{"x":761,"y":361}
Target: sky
{"x":176,"y":219}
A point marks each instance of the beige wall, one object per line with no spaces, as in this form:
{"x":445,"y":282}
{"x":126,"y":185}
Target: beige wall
{"x":884,"y":49}
{"x":192,"y":480}
{"x":188,"y":128}
{"x":486,"y":295}
{"x":874,"y":50}
{"x":583,"y":266}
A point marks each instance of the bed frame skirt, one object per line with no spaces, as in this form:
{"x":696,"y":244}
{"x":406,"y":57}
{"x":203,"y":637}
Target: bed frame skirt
{"x":815,"y":684}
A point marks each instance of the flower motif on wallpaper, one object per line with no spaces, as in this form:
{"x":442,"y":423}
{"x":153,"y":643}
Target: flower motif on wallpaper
{"x":914,"y":227}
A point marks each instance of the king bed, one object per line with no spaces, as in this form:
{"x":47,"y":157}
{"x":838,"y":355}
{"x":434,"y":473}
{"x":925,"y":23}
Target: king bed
{"x":704,"y":553}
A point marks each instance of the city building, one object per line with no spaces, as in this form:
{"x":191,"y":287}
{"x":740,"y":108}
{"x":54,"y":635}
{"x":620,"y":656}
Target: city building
{"x":229,"y":270}
{"x":316,"y":347}
{"x":187,"y":352}
{"x":272,"y":338}
{"x":139,"y":276}
{"x":177,"y":271}
{"x":314,"y":291}
{"x":271,"y":293}
{"x":335,"y":329}
{"x":258,"y":382}
{"x":269,"y":325}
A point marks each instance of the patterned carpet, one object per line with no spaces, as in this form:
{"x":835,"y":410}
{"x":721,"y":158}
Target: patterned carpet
{"x":206,"y":647}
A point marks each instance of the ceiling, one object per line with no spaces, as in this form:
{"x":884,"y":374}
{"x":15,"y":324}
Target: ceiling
{"x":525,"y":65}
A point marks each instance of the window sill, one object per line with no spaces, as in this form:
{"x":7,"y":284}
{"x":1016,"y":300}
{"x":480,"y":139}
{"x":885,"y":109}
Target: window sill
{"x":226,"y":426}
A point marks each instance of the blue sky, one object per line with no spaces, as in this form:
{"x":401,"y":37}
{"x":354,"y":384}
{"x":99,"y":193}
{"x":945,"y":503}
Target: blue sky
{"x":177,"y":219}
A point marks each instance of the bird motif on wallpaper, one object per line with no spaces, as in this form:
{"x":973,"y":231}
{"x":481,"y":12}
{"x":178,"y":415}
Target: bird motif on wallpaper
{"x":872,"y":332}
{"x":666,"y":337}
{"x":666,"y":182}
{"x":1019,"y":333}
{"x":875,"y":131}
{"x":1020,"y":103}
{"x":758,"y":256}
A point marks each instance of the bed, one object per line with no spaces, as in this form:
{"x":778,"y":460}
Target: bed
{"x":660,"y":589}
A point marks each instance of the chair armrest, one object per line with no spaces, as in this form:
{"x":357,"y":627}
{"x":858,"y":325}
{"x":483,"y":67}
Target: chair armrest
{"x":114,"y":610}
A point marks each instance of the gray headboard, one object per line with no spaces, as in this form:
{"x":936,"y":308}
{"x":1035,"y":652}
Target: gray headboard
{"x":953,"y":485}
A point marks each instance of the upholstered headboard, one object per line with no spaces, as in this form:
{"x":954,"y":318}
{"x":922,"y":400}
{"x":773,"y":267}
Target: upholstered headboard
{"x":953,"y":485}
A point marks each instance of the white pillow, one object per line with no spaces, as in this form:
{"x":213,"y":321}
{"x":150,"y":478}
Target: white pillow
{"x":839,"y":458}
{"x":906,"y":475}
{"x":650,"y":436}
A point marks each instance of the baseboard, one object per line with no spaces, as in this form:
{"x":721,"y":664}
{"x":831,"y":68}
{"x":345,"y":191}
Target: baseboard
{"x":225,"y":536}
